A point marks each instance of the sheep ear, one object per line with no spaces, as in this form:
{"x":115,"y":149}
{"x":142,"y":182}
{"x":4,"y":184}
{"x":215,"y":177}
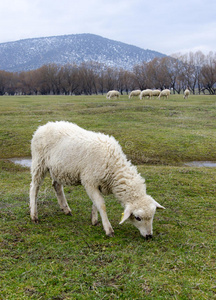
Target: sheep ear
{"x":126,"y":214}
{"x":158,"y":205}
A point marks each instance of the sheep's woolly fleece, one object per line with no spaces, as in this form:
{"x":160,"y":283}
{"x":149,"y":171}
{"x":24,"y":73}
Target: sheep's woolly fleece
{"x":74,"y":155}
{"x":96,"y":153}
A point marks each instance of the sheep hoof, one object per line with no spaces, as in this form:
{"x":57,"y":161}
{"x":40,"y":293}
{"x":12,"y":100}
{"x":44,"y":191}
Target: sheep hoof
{"x":35,"y":220}
{"x":95,"y":223}
{"x":69,"y":213}
{"x":110,"y":234}
{"x":66,"y":211}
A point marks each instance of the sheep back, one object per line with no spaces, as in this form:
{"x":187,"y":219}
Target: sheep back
{"x":74,"y":155}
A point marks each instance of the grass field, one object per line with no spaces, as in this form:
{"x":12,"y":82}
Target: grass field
{"x":64,"y":257}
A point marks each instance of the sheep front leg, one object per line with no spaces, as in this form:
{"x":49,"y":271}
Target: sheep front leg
{"x":98,"y":202}
{"x":61,"y":198}
{"x":94,"y":215}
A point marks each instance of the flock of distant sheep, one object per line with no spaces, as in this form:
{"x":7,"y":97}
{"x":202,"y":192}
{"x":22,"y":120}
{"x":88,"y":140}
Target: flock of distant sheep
{"x":145,"y":93}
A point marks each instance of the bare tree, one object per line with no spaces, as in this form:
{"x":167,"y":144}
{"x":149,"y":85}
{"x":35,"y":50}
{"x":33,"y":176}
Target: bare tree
{"x":70,"y":81}
{"x":141,"y":78}
{"x":208,"y":73}
{"x":111,"y":79}
{"x":3,"y":80}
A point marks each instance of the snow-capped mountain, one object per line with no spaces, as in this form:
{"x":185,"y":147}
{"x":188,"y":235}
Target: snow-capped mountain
{"x":31,"y":54}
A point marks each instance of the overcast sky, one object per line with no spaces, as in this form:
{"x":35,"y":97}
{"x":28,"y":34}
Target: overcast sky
{"x":166,"y":26}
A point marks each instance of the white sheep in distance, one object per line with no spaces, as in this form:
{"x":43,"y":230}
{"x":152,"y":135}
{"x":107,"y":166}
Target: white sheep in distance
{"x":73,"y":155}
{"x":146,"y":93}
{"x":164,"y":93}
{"x":186,"y":94}
{"x":134,"y":93}
{"x":112,"y":94}
{"x":155,"y":93}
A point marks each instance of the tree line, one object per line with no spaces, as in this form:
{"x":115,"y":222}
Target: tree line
{"x":195,"y":71}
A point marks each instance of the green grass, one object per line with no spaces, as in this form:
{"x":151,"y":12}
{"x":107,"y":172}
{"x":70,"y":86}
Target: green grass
{"x":64,"y":257}
{"x":150,"y":131}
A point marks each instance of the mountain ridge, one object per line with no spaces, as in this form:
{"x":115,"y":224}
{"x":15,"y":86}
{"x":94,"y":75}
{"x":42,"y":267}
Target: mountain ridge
{"x":32,"y":53}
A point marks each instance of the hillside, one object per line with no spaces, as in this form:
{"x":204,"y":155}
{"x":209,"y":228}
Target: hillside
{"x":31,"y":54}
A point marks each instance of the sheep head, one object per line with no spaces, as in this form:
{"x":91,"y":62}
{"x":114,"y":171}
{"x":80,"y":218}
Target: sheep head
{"x":141,"y":214}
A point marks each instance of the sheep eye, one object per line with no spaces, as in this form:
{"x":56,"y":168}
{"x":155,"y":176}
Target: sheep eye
{"x":138,"y":218}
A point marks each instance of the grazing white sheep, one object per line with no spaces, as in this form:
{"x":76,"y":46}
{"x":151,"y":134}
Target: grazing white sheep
{"x":186,"y":94}
{"x":134,"y":93}
{"x":146,"y":93}
{"x":164,"y":93}
{"x":156,"y":93}
{"x":72,"y":156}
{"x":112,"y":94}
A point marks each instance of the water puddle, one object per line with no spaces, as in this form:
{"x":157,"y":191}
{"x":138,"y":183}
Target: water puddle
{"x":24,"y":161}
{"x":209,"y":164}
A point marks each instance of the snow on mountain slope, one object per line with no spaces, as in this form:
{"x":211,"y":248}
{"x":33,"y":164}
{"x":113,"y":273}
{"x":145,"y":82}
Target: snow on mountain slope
{"x":31,"y":54}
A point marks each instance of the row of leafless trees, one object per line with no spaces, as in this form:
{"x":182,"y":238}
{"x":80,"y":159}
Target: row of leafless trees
{"x":195,"y":71}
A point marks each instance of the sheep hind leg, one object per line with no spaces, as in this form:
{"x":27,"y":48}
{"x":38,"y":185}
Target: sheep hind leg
{"x":61,"y":198}
{"x":38,"y":174}
{"x":94,"y":215}
{"x":34,"y":188}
